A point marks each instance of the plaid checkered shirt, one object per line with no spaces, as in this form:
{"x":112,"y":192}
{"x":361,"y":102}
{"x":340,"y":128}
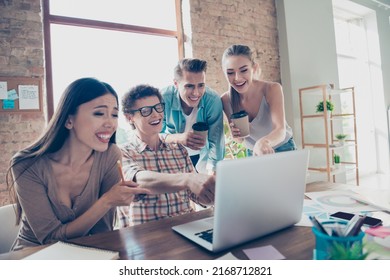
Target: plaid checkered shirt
{"x":170,"y":158}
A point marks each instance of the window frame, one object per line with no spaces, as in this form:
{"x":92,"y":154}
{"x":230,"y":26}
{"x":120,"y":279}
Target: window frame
{"x":49,"y":19}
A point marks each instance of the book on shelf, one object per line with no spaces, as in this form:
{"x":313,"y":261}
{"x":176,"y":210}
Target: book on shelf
{"x":68,"y":251}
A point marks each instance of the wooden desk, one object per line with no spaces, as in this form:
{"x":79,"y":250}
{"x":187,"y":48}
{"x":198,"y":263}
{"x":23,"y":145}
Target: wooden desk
{"x":156,"y":240}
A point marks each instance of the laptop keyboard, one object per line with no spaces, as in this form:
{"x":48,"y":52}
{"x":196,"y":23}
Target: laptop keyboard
{"x":206,"y":235}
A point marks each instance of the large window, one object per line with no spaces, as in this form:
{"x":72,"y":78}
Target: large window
{"x":150,"y":13}
{"x":359,"y":65}
{"x":121,"y":42}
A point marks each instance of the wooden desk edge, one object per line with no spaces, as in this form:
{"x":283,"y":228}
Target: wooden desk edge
{"x":17,"y":255}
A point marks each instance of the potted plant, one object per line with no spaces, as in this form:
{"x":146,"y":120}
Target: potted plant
{"x":341,"y":138}
{"x":320,"y":106}
{"x":336,"y":159}
{"x":353,"y":252}
{"x":233,"y":149}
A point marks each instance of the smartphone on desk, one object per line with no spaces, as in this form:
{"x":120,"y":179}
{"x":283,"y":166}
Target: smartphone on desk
{"x":368,"y":221}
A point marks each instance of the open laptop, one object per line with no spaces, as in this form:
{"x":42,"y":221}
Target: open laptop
{"x":254,"y":196}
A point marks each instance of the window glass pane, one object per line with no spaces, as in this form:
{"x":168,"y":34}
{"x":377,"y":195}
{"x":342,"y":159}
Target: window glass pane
{"x":150,"y":13}
{"x":122,"y":59}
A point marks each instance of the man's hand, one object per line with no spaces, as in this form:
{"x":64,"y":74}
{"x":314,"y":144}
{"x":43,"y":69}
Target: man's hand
{"x":203,"y":186}
{"x":191,"y":140}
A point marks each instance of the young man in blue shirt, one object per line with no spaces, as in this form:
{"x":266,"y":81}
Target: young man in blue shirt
{"x":188,"y":101}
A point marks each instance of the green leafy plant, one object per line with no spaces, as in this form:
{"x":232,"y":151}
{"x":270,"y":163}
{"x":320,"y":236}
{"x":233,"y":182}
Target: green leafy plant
{"x":336,"y":158}
{"x":341,"y":136}
{"x":320,"y":106}
{"x":233,"y":149}
{"x":340,"y":251}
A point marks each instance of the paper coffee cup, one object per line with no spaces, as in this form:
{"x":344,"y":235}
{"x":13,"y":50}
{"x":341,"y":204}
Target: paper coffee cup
{"x":201,"y":128}
{"x":241,"y":121}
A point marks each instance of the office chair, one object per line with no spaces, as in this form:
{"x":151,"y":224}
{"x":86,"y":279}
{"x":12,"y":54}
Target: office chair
{"x":8,"y":229}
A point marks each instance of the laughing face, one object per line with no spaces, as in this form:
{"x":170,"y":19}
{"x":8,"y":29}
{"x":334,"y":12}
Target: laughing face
{"x":94,"y":123}
{"x":191,"y":88}
{"x":239,"y":72}
{"x":150,"y":125}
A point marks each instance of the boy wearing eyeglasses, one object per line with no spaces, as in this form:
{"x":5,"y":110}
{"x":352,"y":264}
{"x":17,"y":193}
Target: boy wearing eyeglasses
{"x":188,"y":101}
{"x":165,"y":169}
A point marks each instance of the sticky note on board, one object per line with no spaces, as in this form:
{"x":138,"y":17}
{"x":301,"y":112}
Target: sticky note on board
{"x":8,"y":104}
{"x":12,"y":95}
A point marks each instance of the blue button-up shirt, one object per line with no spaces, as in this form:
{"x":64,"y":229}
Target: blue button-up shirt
{"x":209,"y":111}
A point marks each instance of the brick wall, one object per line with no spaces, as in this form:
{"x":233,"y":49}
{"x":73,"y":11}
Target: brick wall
{"x":21,"y":55}
{"x":216,"y":24}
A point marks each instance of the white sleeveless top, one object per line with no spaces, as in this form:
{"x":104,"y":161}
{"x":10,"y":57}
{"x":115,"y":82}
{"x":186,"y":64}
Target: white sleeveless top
{"x":261,"y":125}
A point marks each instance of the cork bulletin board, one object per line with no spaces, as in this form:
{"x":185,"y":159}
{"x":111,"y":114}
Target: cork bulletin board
{"x":20,"y":94}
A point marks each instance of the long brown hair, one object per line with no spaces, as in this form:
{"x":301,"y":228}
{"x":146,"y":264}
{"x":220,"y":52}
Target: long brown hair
{"x":237,"y":50}
{"x":78,"y":92}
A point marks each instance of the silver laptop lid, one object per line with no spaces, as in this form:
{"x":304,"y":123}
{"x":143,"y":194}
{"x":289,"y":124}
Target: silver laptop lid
{"x":258,"y":195}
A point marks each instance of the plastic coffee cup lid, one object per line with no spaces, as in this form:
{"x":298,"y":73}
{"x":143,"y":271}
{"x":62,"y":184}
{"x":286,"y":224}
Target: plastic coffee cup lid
{"x":239,"y":115}
{"x":200,"y":126}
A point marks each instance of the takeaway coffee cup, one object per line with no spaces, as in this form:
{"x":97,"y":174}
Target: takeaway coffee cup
{"x":241,"y":121}
{"x":201,"y":128}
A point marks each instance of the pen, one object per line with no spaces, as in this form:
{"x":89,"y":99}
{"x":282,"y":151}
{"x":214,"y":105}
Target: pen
{"x":357,"y":226}
{"x":120,"y":170}
{"x":336,"y":231}
{"x":317,"y":225}
{"x":350,"y":225}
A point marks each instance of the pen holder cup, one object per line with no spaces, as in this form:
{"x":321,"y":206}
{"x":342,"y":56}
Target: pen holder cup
{"x":328,"y":247}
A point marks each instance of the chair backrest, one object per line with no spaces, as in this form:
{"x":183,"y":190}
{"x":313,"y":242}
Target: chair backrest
{"x":8,"y":228}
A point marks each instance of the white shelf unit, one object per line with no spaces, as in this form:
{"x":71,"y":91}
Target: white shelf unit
{"x":318,"y":130}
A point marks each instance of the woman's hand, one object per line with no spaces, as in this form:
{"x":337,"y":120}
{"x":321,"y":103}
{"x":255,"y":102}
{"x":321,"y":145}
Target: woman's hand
{"x":262,"y":147}
{"x":122,"y":194}
{"x":236,"y":133}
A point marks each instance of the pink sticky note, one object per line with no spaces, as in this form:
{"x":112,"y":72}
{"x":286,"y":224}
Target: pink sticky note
{"x":379,"y":231}
{"x":264,"y":253}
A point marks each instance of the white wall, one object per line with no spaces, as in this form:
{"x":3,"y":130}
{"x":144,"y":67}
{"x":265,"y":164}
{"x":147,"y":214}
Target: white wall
{"x":308,"y":54}
{"x":307,"y":50}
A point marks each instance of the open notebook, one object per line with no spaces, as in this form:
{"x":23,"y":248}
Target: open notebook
{"x":68,"y":251}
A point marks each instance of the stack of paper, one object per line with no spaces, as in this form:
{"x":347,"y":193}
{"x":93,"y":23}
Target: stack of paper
{"x":68,"y":251}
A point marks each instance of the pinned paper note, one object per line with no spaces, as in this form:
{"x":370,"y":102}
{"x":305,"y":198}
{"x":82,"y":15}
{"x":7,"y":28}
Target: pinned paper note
{"x":264,"y":253}
{"x":3,"y":90}
{"x":28,"y":97}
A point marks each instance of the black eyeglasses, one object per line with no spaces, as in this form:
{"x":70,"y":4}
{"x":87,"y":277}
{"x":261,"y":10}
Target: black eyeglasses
{"x":147,"y":110}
